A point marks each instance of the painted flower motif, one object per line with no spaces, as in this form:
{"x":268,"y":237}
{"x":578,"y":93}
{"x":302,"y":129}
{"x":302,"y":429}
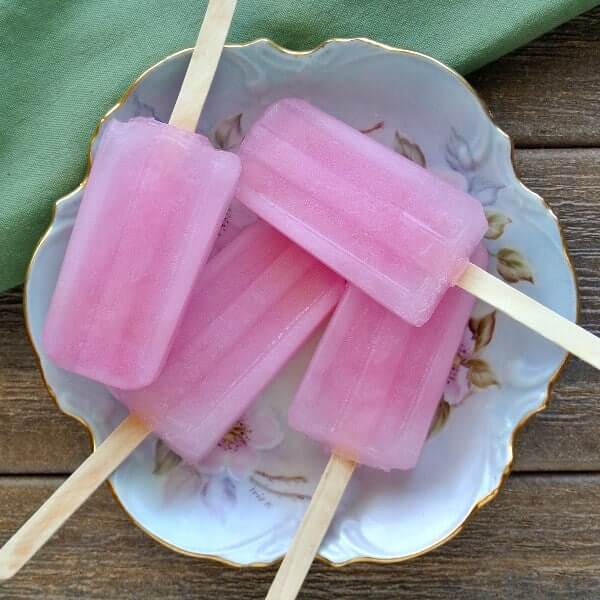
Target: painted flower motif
{"x":409,"y":149}
{"x":458,"y":387}
{"x":469,"y":371}
{"x":461,"y":159}
{"x":512,"y":266}
{"x":236,"y":219}
{"x":497,"y":223}
{"x":238,"y":453}
{"x":228,"y":134}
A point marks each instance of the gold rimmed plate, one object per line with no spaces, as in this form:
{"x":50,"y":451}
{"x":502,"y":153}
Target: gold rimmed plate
{"x":244,"y":511}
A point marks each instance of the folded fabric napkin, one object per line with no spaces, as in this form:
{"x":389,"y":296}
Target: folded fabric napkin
{"x":65,"y":62}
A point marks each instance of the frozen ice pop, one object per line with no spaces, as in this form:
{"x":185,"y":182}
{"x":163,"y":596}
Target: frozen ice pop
{"x":384,"y":223}
{"x":374,"y":384}
{"x":253,"y":305}
{"x":369,"y":395}
{"x":152,"y":208}
{"x":173,"y":267}
{"x":155,"y":200}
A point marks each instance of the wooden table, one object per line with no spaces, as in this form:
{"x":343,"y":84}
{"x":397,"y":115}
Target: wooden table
{"x":539,"y":539}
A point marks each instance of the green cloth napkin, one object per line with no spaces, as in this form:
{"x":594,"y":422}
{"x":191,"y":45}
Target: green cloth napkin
{"x":63,"y":63}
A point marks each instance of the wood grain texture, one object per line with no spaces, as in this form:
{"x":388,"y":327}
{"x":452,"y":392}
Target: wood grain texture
{"x":36,"y":438}
{"x":203,"y":64}
{"x":74,"y":492}
{"x":548,"y":93}
{"x":539,"y":318}
{"x":312,"y":529}
{"x":565,"y":437}
{"x":539,"y":539}
{"x":34,"y":435}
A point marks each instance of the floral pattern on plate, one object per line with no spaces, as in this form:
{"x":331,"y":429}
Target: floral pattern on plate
{"x":244,"y":510}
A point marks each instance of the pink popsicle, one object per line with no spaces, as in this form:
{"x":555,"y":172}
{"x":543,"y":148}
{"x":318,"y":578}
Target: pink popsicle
{"x":253,"y":305}
{"x":384,"y":223}
{"x":373,"y":386}
{"x":152,"y":208}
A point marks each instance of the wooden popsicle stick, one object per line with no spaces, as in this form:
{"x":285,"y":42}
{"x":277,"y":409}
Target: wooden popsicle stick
{"x":203,"y":64}
{"x":531,"y":313}
{"x":312,"y":530}
{"x":38,"y":529}
{"x":131,"y":432}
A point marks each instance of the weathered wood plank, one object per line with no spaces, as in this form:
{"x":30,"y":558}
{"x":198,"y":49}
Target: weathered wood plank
{"x":36,"y":438}
{"x":34,"y":435}
{"x":548,"y":93}
{"x":566,"y":435}
{"x":539,"y":539}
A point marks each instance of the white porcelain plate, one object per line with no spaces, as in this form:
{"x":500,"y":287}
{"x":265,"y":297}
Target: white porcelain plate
{"x":244,"y":504}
